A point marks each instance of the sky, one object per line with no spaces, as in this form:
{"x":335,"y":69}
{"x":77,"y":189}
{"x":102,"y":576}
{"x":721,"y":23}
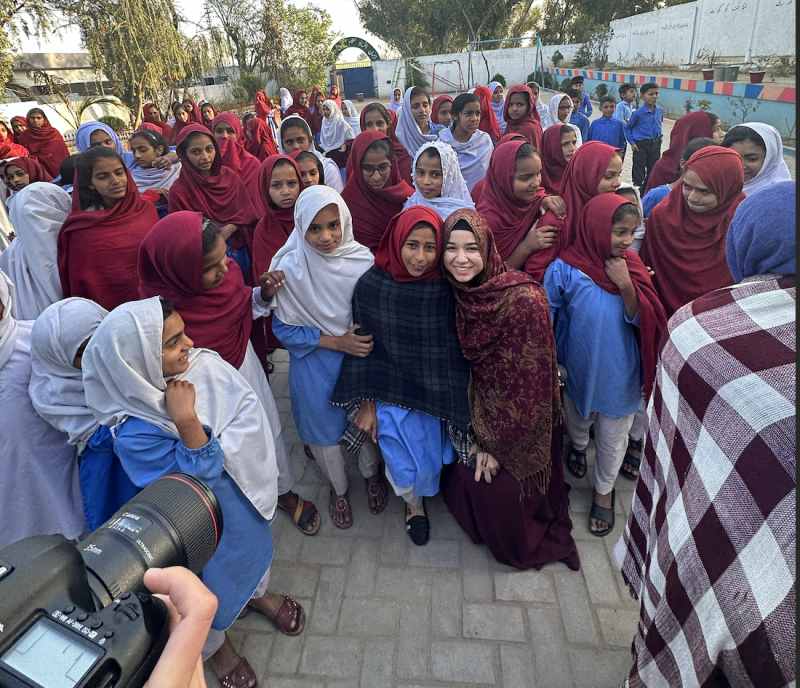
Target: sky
{"x":344,"y":14}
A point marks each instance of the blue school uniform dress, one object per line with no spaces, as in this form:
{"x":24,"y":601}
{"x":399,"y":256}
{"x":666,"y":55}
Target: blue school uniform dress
{"x":105,"y":486}
{"x":608,"y":130}
{"x":623,"y":112}
{"x":596,"y":342}
{"x":414,"y":446}
{"x":645,"y":124}
{"x":313,"y":373}
{"x":582,"y":122}
{"x":653,"y":197}
{"x":586,"y":106}
{"x":245,"y":551}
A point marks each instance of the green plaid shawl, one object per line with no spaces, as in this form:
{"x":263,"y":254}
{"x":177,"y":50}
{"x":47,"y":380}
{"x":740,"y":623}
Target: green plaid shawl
{"x":417,"y":361}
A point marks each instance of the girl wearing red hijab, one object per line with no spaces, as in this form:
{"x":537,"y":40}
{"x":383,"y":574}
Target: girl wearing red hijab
{"x":44,"y":143}
{"x":695,"y":125}
{"x":686,"y":232}
{"x":503,"y":323}
{"x":208,"y":112}
{"x":260,"y":142}
{"x":376,"y":116}
{"x":280,"y":183}
{"x":488,"y":121}
{"x":512,"y":200}
{"x":152,"y":115}
{"x":182,"y":120}
{"x":609,"y":324}
{"x":184,"y":260}
{"x":205,"y":185}
{"x":21,"y":172}
{"x":440,"y":111}
{"x":317,"y":116}
{"x":299,"y":106}
{"x":9,"y":149}
{"x":416,"y":373}
{"x":558,"y":146}
{"x":478,"y":188}
{"x":594,"y":169}
{"x":333,"y":95}
{"x":227,"y":129}
{"x":192,"y":110}
{"x":374,"y":191}
{"x":521,"y":115}
{"x":263,"y":105}
{"x":98,"y":244}
{"x":18,"y":125}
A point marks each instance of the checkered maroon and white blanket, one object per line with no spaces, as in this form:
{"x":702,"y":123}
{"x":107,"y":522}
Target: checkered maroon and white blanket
{"x":709,"y":548}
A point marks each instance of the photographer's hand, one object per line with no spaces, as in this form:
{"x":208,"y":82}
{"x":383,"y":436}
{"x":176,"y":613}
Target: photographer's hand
{"x":191,"y":608}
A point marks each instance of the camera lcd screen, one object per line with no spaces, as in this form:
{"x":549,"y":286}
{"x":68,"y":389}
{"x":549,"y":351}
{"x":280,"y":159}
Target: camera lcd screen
{"x":51,"y":656}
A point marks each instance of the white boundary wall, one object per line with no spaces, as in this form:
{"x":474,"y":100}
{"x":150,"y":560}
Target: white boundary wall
{"x":731,"y":28}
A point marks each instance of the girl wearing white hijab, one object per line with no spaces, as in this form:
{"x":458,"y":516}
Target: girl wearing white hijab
{"x":322,"y":263}
{"x":553,"y":114}
{"x":544,"y":113}
{"x":352,"y":117}
{"x":172,"y":407}
{"x":761,"y":149}
{"x":58,"y":339}
{"x":396,"y":100}
{"x":408,"y":128}
{"x":294,"y":124}
{"x":5,"y":224}
{"x":286,"y":100}
{"x":498,"y":106}
{"x":39,"y":491}
{"x":438,"y":181}
{"x":336,"y":136}
{"x":31,"y":262}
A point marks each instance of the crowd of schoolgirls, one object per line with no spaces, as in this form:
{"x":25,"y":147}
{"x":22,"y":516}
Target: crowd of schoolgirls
{"x":460,"y":282}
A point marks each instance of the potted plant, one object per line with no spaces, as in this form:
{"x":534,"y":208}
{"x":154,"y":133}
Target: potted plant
{"x":708,"y":58}
{"x":758,"y":68}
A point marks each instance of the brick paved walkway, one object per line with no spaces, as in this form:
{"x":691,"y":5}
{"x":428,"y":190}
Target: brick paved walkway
{"x":384,"y":613}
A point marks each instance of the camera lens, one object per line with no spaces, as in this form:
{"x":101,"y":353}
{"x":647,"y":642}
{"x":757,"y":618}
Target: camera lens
{"x":174,"y":521}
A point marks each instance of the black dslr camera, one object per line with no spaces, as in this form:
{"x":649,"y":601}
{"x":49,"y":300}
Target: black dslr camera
{"x":80,"y":616}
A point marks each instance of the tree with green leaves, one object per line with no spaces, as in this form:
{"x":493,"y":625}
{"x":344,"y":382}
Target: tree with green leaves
{"x":254,"y":34}
{"x":139,"y":46}
{"x":308,"y":39}
{"x":428,"y":27}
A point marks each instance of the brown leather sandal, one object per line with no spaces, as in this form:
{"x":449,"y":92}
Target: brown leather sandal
{"x":340,"y":505}
{"x":290,"y":611}
{"x":240,"y":676}
{"x":377,"y":495}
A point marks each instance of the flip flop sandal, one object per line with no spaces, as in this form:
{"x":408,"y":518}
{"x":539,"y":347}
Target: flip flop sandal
{"x":286,"y":614}
{"x":634,"y":461}
{"x":340,"y":504}
{"x":580,"y":459}
{"x":602,"y":513}
{"x":419,"y":528}
{"x":303,"y":515}
{"x":307,"y":450}
{"x":240,"y":676}
{"x":379,"y":493}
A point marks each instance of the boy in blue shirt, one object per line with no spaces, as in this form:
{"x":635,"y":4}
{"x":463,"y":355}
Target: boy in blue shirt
{"x":579,"y":120}
{"x":585,"y":107}
{"x":623,"y":112}
{"x":606,"y":128}
{"x":644,"y":134}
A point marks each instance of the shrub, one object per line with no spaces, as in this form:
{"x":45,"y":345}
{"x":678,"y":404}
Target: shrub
{"x":565,"y":85}
{"x":115,"y":123}
{"x":500,"y":78}
{"x":600,"y":90}
{"x":251,"y":83}
{"x":557,"y":58}
{"x":583,"y":56}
